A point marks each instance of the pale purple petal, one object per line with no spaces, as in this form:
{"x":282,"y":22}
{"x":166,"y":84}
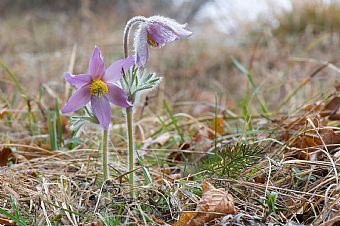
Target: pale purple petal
{"x":96,"y":64}
{"x":141,"y":45}
{"x":167,"y":30}
{"x":114,"y":72}
{"x":161,"y":34}
{"x":102,"y":109}
{"x":161,"y":30}
{"x":78,"y":100}
{"x":117,"y":96}
{"x":77,"y":80}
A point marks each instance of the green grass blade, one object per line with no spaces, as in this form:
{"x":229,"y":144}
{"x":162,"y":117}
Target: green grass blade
{"x":30,"y":117}
{"x":13,"y":78}
{"x":245,"y":113}
{"x":215,"y":125}
{"x":244,"y":71}
{"x":164,"y":127}
{"x":116,"y":221}
{"x":145,"y":171}
{"x":173,"y":121}
{"x":16,"y":217}
{"x":58,"y":122}
{"x":249,"y":76}
{"x":52,"y":130}
{"x":10,"y":216}
{"x":20,"y":220}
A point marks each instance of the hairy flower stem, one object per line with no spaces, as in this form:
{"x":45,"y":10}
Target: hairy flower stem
{"x":127,"y":29}
{"x":129,"y":112}
{"x":105,"y":155}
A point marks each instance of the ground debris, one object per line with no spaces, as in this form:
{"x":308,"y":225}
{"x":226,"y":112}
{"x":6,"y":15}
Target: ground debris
{"x":214,"y":203}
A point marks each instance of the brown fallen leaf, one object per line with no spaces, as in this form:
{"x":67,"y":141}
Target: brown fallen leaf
{"x":7,"y":222}
{"x":3,"y":113}
{"x":217,"y":125}
{"x":201,"y":140}
{"x":332,"y":109}
{"x":260,"y":179}
{"x":5,"y":154}
{"x":184,"y":219}
{"x":156,"y":220}
{"x":309,"y":136}
{"x":303,"y":155}
{"x":179,"y":156}
{"x":331,"y":138}
{"x":214,"y":203}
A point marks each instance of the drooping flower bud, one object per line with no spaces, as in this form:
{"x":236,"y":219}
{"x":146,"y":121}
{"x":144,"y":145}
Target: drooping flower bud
{"x":156,"y":31}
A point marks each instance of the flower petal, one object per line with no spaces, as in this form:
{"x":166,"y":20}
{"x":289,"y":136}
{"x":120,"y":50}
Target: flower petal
{"x":164,"y":29}
{"x":161,"y":34}
{"x":117,"y":96}
{"x":77,"y":80}
{"x":96,"y":64}
{"x":114,"y":72}
{"x":102,"y":109}
{"x":181,"y":30}
{"x":141,"y":45}
{"x":79,"y":99}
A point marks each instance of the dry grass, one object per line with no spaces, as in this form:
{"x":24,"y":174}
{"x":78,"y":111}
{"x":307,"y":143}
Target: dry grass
{"x":294,"y":76}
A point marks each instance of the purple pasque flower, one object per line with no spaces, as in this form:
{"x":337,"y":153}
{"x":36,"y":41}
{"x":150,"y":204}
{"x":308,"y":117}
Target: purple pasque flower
{"x":156,"y":31}
{"x":98,"y":87}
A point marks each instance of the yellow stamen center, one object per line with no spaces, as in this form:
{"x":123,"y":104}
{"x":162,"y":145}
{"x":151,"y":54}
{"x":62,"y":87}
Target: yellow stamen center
{"x":98,"y":88}
{"x":151,"y":41}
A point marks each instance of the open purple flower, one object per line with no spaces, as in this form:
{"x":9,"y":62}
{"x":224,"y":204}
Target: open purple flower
{"x":98,"y":86}
{"x":156,"y":31}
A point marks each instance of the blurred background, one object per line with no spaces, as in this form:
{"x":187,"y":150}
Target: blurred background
{"x":280,"y":43}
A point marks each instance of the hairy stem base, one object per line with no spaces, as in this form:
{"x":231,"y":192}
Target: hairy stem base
{"x":129,"y":121}
{"x":105,"y":155}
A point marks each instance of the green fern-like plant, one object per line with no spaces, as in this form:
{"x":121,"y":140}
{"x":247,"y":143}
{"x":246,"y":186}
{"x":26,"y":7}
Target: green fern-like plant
{"x":230,"y":160}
